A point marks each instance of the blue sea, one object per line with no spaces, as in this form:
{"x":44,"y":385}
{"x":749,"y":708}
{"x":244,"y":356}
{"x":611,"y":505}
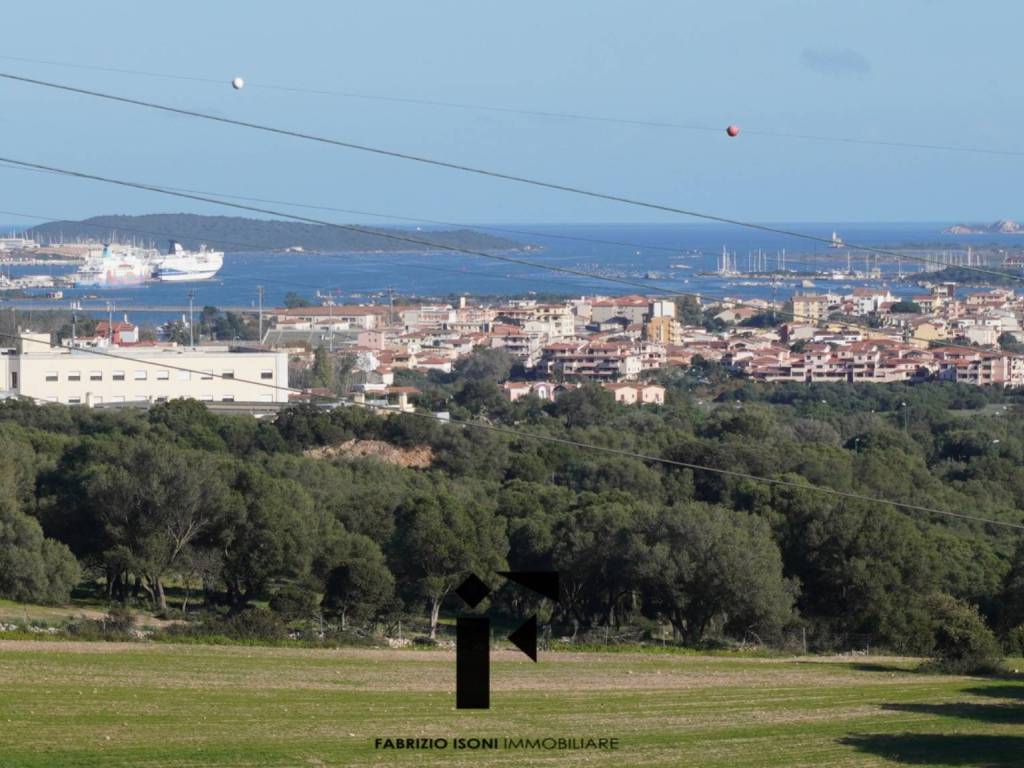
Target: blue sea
{"x":642,"y":254}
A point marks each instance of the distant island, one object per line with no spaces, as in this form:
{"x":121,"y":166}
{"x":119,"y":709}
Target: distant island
{"x":235,"y":233}
{"x":1001,"y":227}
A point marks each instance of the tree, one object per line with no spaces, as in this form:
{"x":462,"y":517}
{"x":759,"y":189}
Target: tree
{"x":1012,"y":597}
{"x":1009,"y":342}
{"x":269,"y":535}
{"x":33,"y":568}
{"x":493,"y":365}
{"x":152,"y":502}
{"x":323,"y":369}
{"x":292,"y":300}
{"x":710,"y":565}
{"x":440,"y":539}
{"x":586,"y":406}
{"x":864,"y":567}
{"x":689,"y":310}
{"x":597,"y":549}
{"x":963,"y":644}
{"x":360,"y":584}
{"x":906,"y":307}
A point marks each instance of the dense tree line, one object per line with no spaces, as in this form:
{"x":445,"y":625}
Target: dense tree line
{"x":233,"y":511}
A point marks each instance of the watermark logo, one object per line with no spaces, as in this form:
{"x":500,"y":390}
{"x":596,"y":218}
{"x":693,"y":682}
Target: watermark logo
{"x":473,"y":635}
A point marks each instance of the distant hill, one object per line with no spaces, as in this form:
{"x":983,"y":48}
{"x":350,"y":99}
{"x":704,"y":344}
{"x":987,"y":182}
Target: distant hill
{"x":1001,"y":227}
{"x":234,"y":233}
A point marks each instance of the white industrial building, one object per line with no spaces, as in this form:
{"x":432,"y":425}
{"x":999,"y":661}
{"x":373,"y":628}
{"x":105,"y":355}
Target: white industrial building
{"x":141,"y":374}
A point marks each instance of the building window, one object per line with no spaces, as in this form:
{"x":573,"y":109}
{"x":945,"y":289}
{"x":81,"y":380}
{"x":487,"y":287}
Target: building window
{"x":117,"y":399}
{"x":95,"y":376}
{"x":139,"y":375}
{"x":74,"y":400}
{"x":228,"y":399}
{"x":207,"y":375}
{"x":140,"y":398}
{"x":228,"y":375}
{"x":266,"y":373}
{"x":118,"y":376}
{"x":163,"y":375}
{"x":51,"y":375}
{"x":75,"y":376}
{"x":161,"y":400}
{"x":206,"y":398}
{"x":181,"y":375}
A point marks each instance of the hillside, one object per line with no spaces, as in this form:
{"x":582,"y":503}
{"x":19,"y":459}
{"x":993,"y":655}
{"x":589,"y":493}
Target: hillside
{"x":234,"y":233}
{"x":1001,"y":227}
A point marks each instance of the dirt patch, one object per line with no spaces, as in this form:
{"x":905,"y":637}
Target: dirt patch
{"x":419,"y":457}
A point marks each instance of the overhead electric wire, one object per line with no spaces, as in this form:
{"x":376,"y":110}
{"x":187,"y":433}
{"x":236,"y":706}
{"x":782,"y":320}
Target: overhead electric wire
{"x":349,"y":227}
{"x":560,"y":441}
{"x":547,"y":114}
{"x":419,"y":241}
{"x":355,"y":264}
{"x":680,"y":250}
{"x":438,"y":222}
{"x":458,"y":167}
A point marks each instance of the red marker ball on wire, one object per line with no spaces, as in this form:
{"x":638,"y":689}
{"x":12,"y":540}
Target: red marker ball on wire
{"x":733,"y":130}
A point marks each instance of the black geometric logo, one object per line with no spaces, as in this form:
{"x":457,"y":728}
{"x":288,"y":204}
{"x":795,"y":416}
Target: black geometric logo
{"x":472,"y":590}
{"x":473,"y":636}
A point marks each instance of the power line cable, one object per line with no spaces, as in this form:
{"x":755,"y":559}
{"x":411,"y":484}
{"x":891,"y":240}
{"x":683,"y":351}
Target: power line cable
{"x":397,"y":217}
{"x":393,"y":236}
{"x":703,"y":295}
{"x":547,"y":114}
{"x":351,"y":263}
{"x":458,"y":167}
{"x":568,"y":442}
{"x":346,"y":227}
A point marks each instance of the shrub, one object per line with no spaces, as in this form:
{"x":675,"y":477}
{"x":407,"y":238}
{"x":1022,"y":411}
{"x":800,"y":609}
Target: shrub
{"x":1015,"y":641}
{"x":118,"y":618}
{"x":33,"y":568}
{"x":255,"y":624}
{"x":294,"y":603}
{"x":963,"y":643}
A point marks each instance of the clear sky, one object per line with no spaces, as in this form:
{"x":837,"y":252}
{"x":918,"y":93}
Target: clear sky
{"x":939,"y":72}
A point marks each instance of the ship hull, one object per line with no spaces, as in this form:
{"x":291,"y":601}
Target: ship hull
{"x":175,"y":276}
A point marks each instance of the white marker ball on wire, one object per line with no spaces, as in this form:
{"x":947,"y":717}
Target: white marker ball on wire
{"x":237,"y":83}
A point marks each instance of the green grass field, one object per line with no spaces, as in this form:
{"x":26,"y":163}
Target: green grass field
{"x":67,"y":704}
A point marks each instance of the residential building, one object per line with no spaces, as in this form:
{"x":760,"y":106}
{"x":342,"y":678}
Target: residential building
{"x":77,"y":376}
{"x":809,"y":309}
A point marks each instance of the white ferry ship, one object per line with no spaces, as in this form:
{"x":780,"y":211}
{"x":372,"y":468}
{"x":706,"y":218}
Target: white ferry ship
{"x":115,"y":265}
{"x":179,"y":265}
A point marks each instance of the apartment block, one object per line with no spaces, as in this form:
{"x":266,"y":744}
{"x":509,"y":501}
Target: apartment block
{"x":77,"y":376}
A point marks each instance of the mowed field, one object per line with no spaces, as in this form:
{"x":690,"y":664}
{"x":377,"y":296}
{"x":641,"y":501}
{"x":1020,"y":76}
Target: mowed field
{"x":73,"y":704}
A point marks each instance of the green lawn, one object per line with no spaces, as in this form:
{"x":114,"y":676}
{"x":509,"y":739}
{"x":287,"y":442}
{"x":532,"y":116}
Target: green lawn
{"x":145,"y":705}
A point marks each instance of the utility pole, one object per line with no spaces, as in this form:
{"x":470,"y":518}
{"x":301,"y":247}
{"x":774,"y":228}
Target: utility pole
{"x":191,"y":337}
{"x":391,"y":306}
{"x":259,"y":289}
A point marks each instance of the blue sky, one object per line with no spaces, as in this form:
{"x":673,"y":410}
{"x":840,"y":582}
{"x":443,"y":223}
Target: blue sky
{"x":917,"y":70}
